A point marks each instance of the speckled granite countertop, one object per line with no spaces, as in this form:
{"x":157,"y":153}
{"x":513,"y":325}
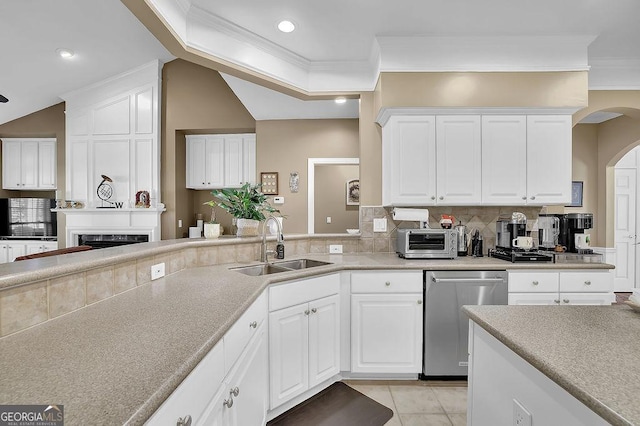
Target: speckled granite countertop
{"x":590,"y":351}
{"x":116,"y":361}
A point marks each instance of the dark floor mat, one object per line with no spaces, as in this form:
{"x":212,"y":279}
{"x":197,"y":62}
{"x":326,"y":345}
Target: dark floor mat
{"x":337,"y":405}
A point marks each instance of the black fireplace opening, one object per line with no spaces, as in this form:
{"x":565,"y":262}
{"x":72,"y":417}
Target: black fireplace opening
{"x":98,"y":241}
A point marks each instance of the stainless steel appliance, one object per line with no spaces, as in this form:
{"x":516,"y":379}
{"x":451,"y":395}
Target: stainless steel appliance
{"x":463,"y":241}
{"x":427,"y":243}
{"x":548,"y":231}
{"x":446,"y":328}
{"x":26,"y":218}
{"x":507,"y":230}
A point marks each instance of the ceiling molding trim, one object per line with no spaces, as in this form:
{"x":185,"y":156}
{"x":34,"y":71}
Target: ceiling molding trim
{"x":614,"y":74}
{"x":174,"y":13}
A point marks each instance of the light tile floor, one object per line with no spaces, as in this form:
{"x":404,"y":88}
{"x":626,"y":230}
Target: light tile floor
{"x":418,"y":403}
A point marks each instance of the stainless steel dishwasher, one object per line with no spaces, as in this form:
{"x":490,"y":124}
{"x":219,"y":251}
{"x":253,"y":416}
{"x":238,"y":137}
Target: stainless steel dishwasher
{"x":446,"y":327}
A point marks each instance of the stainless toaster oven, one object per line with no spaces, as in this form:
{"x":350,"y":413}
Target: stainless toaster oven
{"x":427,"y":244}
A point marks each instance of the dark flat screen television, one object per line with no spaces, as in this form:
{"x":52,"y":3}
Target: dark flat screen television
{"x":28,"y":218}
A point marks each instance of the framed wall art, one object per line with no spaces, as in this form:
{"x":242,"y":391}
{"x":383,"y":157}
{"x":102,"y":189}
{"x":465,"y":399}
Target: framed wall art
{"x":353,"y":192}
{"x":269,"y":182}
{"x":576,"y":193}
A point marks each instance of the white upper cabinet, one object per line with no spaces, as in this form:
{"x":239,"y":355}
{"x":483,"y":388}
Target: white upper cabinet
{"x":459,"y":156}
{"x":549,"y":159}
{"x":220,"y":161}
{"x":409,"y":161}
{"x":476,"y":159}
{"x":29,"y":164}
{"x":504,"y":159}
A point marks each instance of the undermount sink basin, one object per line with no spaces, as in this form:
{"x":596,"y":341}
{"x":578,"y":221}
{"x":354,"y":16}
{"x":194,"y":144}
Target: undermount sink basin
{"x":258,"y":270}
{"x":300,"y":263}
{"x":274,"y":268}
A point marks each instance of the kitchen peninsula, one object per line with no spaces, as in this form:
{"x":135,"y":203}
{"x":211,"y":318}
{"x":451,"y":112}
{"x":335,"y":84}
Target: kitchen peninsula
{"x":119,"y":359}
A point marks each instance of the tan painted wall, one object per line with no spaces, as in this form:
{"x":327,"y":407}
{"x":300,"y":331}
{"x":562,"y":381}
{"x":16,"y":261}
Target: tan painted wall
{"x":330,"y":198}
{"x":370,"y":152}
{"x":284,"y":146}
{"x":46,"y":123}
{"x":585,"y":169}
{"x":483,"y":89}
{"x":195,"y":99}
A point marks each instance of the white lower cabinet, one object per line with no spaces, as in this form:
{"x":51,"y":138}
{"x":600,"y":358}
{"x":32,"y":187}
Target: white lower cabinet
{"x":304,"y":336}
{"x":386,"y":322}
{"x":593,"y":287}
{"x":10,"y":249}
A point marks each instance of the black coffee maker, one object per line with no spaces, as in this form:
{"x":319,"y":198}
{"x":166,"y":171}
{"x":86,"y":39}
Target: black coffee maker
{"x":576,"y":223}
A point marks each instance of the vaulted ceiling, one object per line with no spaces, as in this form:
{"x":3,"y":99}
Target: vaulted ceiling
{"x":337,"y":47}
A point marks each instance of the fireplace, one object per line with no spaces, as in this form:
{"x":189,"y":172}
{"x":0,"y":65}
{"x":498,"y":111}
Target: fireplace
{"x":98,"y":241}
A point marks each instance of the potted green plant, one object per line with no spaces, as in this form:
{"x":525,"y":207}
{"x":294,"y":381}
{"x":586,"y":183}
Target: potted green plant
{"x":247,"y":204}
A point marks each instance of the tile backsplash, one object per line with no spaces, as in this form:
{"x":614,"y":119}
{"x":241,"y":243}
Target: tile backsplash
{"x":480,"y":218}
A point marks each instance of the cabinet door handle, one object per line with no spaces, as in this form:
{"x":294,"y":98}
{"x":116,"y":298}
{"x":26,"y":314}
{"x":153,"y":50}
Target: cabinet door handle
{"x":388,"y":283}
{"x":441,"y":197}
{"x":234,"y":391}
{"x":556,"y":301}
{"x":253,"y":324}
{"x":186,"y":421}
{"x":587,"y":282}
{"x":228,"y":402}
{"x":314,"y":310}
{"x":524,"y":198}
{"x":565,"y":300}
{"x":433,"y":197}
{"x":306,"y":312}
{"x":419,"y":302}
{"x":535,"y":283}
{"x":533,"y":197}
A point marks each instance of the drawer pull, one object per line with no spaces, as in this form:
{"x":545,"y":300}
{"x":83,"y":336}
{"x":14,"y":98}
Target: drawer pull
{"x":235,"y":391}
{"x":186,"y":421}
{"x":565,"y":300}
{"x":419,"y":302}
{"x":388,"y":283}
{"x":535,"y":283}
{"x":314,"y":310}
{"x":556,"y":301}
{"x":228,"y":403}
{"x":587,"y":282}
{"x":306,"y":312}
{"x":253,"y":324}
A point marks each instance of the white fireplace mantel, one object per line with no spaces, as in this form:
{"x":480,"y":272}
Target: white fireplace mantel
{"x":97,"y":221}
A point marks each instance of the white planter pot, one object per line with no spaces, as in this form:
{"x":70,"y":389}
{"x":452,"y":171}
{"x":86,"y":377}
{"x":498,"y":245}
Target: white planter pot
{"x":211,"y":230}
{"x":247,"y":228}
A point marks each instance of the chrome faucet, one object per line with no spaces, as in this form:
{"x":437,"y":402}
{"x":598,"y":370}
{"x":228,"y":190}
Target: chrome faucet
{"x":279,"y":251}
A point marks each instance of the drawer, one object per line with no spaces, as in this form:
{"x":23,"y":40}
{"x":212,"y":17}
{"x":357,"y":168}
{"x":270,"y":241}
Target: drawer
{"x":241,"y":332}
{"x":538,"y":281}
{"x":192,"y":396}
{"x":586,"y":281}
{"x":297,"y":292}
{"x":386,"y":282}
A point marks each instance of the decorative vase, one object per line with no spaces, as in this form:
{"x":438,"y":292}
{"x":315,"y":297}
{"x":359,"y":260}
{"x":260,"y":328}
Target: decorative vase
{"x":211,"y":230}
{"x":247,"y":228}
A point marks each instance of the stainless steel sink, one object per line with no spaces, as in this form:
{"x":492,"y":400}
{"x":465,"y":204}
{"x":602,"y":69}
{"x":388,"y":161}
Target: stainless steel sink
{"x":258,"y":270}
{"x":274,"y":268}
{"x":301,"y":263}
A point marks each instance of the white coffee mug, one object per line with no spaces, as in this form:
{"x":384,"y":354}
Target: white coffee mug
{"x":523,"y":242}
{"x":582,"y":241}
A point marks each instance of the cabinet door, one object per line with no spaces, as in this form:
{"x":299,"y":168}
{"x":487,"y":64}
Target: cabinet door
{"x":11,"y":178}
{"x":47,"y":164}
{"x":15,"y":250}
{"x":504,"y":159}
{"x":288,"y":353}
{"x":459,"y":158}
{"x":250,"y":382}
{"x":214,"y":163}
{"x":217,"y":413}
{"x":29,"y":165}
{"x":3,"y":253}
{"x":233,"y":161}
{"x":534,"y":298}
{"x":324,"y":339}
{"x":249,"y":162}
{"x":196,"y":159}
{"x":33,"y":248}
{"x":587,"y":298}
{"x":409,"y":161}
{"x":549,"y":159}
{"x":386,"y":333}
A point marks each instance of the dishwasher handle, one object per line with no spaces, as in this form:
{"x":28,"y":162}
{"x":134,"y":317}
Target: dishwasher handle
{"x":467,"y":280}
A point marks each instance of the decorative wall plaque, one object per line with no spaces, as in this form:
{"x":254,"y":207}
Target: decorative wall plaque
{"x":269,"y":182}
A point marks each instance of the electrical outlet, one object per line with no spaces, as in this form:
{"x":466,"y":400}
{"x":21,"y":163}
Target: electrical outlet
{"x":328,"y":219}
{"x":157,"y":271}
{"x":335,"y":248}
{"x":380,"y":225}
{"x":521,"y":417}
{"x":179,"y":223}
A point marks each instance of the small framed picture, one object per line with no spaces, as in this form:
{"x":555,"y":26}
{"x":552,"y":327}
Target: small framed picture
{"x":353,"y":192}
{"x":269,"y":182}
{"x":576,"y":193}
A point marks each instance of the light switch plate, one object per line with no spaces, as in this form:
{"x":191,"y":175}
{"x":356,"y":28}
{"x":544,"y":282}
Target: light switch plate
{"x":380,"y":225}
{"x":278,"y":200}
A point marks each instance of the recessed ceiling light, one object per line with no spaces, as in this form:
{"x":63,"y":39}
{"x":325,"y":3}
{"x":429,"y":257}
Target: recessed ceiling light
{"x":341,"y":100}
{"x":286,"y":26}
{"x":65,"y":53}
